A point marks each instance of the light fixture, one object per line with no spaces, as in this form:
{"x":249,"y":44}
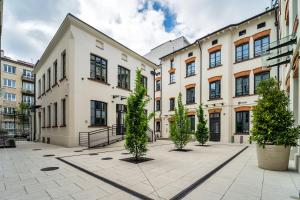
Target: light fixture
{"x":115,"y":96}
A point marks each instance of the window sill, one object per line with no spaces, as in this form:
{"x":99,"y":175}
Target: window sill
{"x":236,"y":62}
{"x":124,"y":89}
{"x":98,"y":81}
{"x":190,"y":75}
{"x":172,"y":83}
{"x":171,"y":110}
{"x":248,"y":95}
{"x":214,"y":67}
{"x":55,"y":126}
{"x":63,"y":126}
{"x":63,"y":78}
{"x":241,"y":133}
{"x":187,"y":104}
{"x":216,"y":99}
{"x":98,"y":126}
{"x":157,"y":90}
{"x":48,"y":127}
{"x":54,"y":85}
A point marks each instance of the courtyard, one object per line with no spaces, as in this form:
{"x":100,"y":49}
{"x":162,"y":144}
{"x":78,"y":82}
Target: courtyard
{"x":100,"y":174}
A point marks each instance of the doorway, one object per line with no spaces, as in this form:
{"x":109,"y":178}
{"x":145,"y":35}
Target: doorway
{"x":120,"y":120}
{"x":215,"y":127}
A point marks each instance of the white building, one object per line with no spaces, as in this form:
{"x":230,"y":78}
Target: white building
{"x":83,"y":79}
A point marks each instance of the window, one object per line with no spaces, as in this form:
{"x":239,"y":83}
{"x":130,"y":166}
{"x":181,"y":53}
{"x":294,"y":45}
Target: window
{"x":172,"y":77}
{"x":44,"y":83}
{"x":215,"y":90}
{"x":98,"y":113}
{"x":63,"y":112}
{"x":192,"y":122}
{"x":55,"y":114}
{"x":9,"y":69}
{"x":63,"y":64}
{"x":261,"y":45}
{"x":157,"y":127}
{"x":44,"y":117}
{"x":242,"y":86}
{"x":158,"y":85}
{"x":10,"y":96}
{"x":49,"y":78}
{"x":40,"y":87}
{"x":242,"y":122}
{"x":49,"y":115}
{"x":123,"y":78}
{"x":242,"y":52}
{"x":9,"y":83}
{"x":214,"y":42}
{"x":190,"y":96}
{"x":9,"y":110}
{"x":243,"y":32}
{"x":260,"y":77}
{"x":190,"y":54}
{"x":172,"y":63}
{"x":215,"y":59}
{"x":157,"y":105}
{"x":98,"y":68}
{"x":55,"y":72}
{"x":28,"y":86}
{"x":172,"y":103}
{"x":261,"y":25}
{"x":28,"y":99}
{"x":190,"y":69}
{"x":99,"y":44}
{"x":144,"y":81}
{"x":9,"y":125}
{"x":27,"y":73}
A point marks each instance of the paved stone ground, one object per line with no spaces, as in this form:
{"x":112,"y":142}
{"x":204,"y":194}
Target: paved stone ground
{"x":21,"y":178}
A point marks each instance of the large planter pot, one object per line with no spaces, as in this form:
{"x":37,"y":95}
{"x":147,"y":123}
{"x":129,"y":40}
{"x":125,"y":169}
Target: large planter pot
{"x":273,"y":157}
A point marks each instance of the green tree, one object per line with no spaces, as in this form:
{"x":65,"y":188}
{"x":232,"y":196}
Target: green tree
{"x":136,"y":119}
{"x":180,"y":132}
{"x":273,"y":122}
{"x":201,"y":133}
{"x":23,"y":115}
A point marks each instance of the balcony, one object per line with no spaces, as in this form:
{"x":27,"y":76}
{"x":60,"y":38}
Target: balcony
{"x":27,"y":91}
{"x":279,"y":52}
{"x":27,"y":78}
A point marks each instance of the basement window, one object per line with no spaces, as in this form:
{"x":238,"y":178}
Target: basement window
{"x":261,"y":25}
{"x":243,"y":32}
{"x":214,"y":42}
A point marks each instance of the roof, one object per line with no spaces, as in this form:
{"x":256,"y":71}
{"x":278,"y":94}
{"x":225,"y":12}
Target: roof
{"x":221,"y":29}
{"x":71,"y":19}
{"x":19,"y":62}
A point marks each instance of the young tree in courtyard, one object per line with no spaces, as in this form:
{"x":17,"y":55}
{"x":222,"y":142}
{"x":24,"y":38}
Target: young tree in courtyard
{"x":180,"y":128}
{"x":202,"y":131}
{"x":136,"y":119}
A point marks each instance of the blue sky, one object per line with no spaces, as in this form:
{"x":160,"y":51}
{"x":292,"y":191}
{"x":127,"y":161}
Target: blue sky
{"x":29,"y":25}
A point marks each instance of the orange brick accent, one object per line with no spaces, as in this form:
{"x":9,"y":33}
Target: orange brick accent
{"x":215,"y":78}
{"x":242,"y":41}
{"x":260,"y":69}
{"x":243,"y":108}
{"x":192,"y":85}
{"x":191,"y":59}
{"x":242,"y":73}
{"x":287,"y":81}
{"x":215,"y":110}
{"x":157,"y":119}
{"x":191,"y":113}
{"x":215,"y":48}
{"x":296,"y":23}
{"x":157,"y":78}
{"x":261,"y":34}
{"x":157,"y":98}
{"x":172,"y":70}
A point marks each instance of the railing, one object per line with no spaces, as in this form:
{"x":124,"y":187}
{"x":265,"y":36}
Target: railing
{"x":27,"y":77}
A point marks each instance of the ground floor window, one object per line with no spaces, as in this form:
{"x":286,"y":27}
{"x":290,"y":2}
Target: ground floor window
{"x":192,"y":122}
{"x":157,"y":127}
{"x":98,"y":113}
{"x":242,"y":122}
{"x":63,"y":106}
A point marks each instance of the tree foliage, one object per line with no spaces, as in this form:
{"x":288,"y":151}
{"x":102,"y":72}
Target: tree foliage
{"x":273,"y":122}
{"x":180,"y":132}
{"x":136,"y":119}
{"x":201,"y":133}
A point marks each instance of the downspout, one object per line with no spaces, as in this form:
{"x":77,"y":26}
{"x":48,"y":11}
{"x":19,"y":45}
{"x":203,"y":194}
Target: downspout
{"x":153,"y":74}
{"x":277,"y":39}
{"x":200,"y":48}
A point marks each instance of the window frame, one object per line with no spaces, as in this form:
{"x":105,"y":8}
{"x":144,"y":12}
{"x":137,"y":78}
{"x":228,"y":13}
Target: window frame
{"x":261,"y":45}
{"x":243,"y":78}
{"x":259,"y":75}
{"x":192,"y":122}
{"x":172,"y":104}
{"x":214,"y":55}
{"x":63,"y":112}
{"x":124,"y":82}
{"x":172,"y":78}
{"x":243,"y":57}
{"x":102,"y":108}
{"x":244,"y":127}
{"x":157,"y":85}
{"x":55,"y":72}
{"x":190,"y":69}
{"x":63,"y":64}
{"x":215,"y":96}
{"x":157,"y":105}
{"x":157,"y":128}
{"x":190,"y":99}
{"x":98,"y":64}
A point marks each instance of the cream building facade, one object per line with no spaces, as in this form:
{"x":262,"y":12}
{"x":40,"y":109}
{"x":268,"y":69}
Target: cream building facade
{"x":83,"y":79}
{"x":219,"y":71}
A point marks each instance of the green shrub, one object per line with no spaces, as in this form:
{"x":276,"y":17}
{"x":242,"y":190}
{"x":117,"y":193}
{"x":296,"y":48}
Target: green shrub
{"x":201,"y":133}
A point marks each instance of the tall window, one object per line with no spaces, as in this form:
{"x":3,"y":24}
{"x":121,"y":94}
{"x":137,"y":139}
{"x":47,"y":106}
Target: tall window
{"x":157,"y":127}
{"x":27,"y":73}
{"x":157,"y":105}
{"x":260,"y":77}
{"x":55,"y":72}
{"x":40,"y":87}
{"x":10,"y":96}
{"x":190,"y":69}
{"x":63,"y":64}
{"x":63,"y":112}
{"x":215,"y":59}
{"x":49,"y":78}
{"x":55,"y":114}
{"x":261,"y":45}
{"x":44,"y":117}
{"x":98,"y":68}
{"x":44,"y":83}
{"x":28,"y":99}
{"x":158,"y":85}
{"x":144,"y":81}
{"x":123,"y":78}
{"x":242,"y":86}
{"x":242,"y":122}
{"x":192,"y":122}
{"x":172,"y":103}
{"x":242,"y":52}
{"x":215,"y":90}
{"x":190,"y":96}
{"x":49,"y":115}
{"x":9,"y":69}
{"x":172,"y":77}
{"x":98,"y":113}
{"x":9,"y":83}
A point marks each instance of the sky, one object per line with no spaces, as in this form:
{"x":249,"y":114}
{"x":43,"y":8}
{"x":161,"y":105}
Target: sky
{"x":29,"y":25}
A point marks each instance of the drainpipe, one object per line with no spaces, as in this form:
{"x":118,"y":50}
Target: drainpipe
{"x":153,"y":74}
{"x":200,"y":48}
{"x":277,"y":39}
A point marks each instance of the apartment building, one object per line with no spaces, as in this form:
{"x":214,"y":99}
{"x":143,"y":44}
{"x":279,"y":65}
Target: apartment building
{"x":83,"y":79}
{"x":17,"y":85}
{"x":220,"y":71}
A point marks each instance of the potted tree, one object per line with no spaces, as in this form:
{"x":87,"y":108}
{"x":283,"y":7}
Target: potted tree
{"x":273,"y":127}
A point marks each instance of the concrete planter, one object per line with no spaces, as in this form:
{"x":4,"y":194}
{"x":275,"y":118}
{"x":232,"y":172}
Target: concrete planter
{"x":273,"y":157}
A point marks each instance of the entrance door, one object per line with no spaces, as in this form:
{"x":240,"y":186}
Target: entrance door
{"x":39,"y":126}
{"x":214,"y":127}
{"x":120,"y":113}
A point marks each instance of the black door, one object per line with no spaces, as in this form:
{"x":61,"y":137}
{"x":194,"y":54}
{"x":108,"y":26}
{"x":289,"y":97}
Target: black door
{"x":214,"y":127}
{"x":121,"y":110}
